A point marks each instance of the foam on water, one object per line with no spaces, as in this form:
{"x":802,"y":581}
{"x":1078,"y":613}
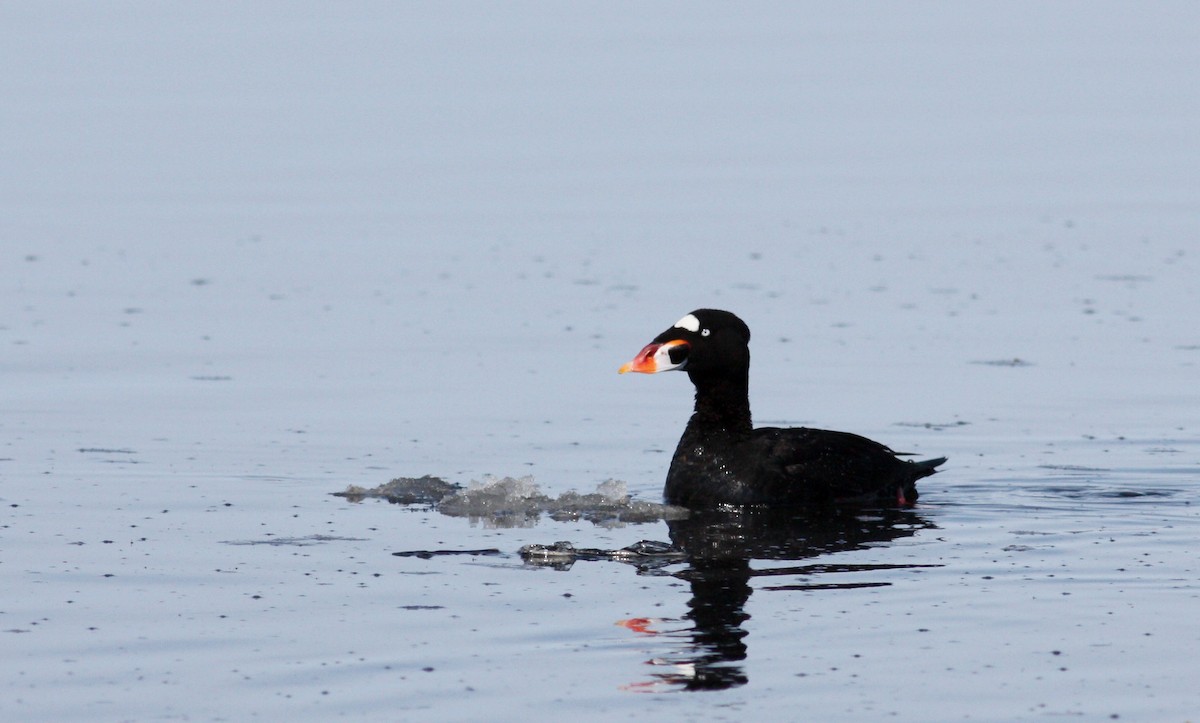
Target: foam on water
{"x":519,"y":501}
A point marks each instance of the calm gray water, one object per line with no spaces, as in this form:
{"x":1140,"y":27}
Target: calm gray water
{"x":255,"y":254}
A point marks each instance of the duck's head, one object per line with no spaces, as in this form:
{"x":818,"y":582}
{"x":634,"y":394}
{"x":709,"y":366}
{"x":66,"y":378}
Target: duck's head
{"x":704,"y":341}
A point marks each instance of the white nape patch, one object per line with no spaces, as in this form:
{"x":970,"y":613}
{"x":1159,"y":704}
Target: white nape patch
{"x":689,"y":322}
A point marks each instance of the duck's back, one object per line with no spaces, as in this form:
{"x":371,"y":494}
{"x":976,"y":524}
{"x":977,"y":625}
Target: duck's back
{"x":795,"y":466}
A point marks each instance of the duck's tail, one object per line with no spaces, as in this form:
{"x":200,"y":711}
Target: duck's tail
{"x":929,"y":466}
{"x":906,"y":492}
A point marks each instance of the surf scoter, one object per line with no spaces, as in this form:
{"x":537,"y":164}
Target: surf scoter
{"x":722,"y":459}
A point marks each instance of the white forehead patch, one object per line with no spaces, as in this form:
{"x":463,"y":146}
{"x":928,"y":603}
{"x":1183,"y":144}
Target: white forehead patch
{"x":689,"y":322}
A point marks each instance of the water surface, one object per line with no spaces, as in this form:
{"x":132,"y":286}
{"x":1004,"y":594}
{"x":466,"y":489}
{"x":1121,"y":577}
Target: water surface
{"x":256,"y":255}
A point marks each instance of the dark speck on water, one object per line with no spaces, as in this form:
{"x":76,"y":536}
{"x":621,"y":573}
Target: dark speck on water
{"x":295,"y":541}
{"x":1014,"y":362}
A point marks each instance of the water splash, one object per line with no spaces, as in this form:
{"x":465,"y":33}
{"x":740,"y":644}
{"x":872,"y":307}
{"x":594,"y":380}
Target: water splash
{"x":519,"y":501}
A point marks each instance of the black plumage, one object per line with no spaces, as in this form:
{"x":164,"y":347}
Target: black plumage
{"x":722,"y":459}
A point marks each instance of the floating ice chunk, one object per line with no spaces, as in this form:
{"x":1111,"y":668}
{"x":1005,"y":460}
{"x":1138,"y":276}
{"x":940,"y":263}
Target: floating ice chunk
{"x":505,"y":502}
{"x":614,"y":490}
{"x":505,"y":488}
{"x":519,"y":501}
{"x":427,"y":490}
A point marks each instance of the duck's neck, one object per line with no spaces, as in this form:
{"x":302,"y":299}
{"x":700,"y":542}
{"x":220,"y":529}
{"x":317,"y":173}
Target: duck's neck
{"x":722,"y":404}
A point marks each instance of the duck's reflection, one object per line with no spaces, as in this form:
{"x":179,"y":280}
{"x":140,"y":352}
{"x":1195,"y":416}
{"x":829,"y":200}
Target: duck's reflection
{"x":706,"y":653}
{"x":707,"y":645}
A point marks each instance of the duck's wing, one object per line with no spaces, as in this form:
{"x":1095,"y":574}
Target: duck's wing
{"x":820,"y":465}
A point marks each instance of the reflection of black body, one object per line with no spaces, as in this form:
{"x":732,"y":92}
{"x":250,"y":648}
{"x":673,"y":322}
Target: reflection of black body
{"x":717,"y":610}
{"x":722,"y":459}
{"x":720,"y":547}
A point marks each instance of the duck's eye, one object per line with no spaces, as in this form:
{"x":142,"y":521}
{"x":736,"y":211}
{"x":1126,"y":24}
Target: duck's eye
{"x":705,"y":332}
